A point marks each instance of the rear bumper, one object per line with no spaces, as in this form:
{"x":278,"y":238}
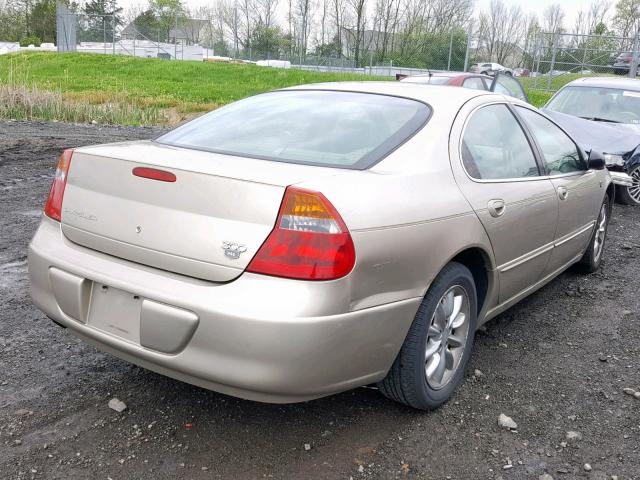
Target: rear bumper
{"x":260,"y":338}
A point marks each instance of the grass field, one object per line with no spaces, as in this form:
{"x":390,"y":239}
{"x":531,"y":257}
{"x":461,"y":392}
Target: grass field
{"x":119,"y":89}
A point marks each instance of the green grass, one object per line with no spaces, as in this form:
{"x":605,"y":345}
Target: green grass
{"x":144,"y":91}
{"x":181,"y":88}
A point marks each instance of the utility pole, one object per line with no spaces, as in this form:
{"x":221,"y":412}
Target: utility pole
{"x":450,"y":48}
{"x":633,"y":68}
{"x":468,"y":50}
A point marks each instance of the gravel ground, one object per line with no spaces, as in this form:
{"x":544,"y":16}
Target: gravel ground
{"x":556,"y":363}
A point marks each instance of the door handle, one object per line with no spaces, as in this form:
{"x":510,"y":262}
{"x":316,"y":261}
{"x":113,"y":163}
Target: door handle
{"x":563,"y":193}
{"x":496,"y":207}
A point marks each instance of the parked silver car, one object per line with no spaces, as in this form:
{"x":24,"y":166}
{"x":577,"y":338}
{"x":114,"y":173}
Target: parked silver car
{"x":490,"y":69}
{"x":311,"y":240}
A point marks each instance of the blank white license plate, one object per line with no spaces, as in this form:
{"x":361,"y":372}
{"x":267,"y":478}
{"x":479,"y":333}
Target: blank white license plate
{"x":115,"y":312}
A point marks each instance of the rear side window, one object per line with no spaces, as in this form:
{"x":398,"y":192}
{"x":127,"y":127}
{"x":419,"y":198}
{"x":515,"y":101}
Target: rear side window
{"x":311,"y":127}
{"x":494,"y":147}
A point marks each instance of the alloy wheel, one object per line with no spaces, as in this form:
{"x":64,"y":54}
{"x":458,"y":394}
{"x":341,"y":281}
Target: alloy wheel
{"x":601,"y":232}
{"x":447,"y":337}
{"x":634,"y":190}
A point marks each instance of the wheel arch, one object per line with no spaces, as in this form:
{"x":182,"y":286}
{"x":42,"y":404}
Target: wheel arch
{"x":611,"y":193}
{"x":479,"y":263}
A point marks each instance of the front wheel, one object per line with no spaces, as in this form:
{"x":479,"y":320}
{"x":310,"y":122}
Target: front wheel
{"x":631,"y":195}
{"x":431,"y":362}
{"x":592,"y":258}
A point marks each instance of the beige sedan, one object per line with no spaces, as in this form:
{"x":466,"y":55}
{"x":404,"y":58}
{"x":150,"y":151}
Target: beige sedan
{"x":311,"y":240}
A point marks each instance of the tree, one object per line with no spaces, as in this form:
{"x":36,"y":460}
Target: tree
{"x":102,"y":18}
{"x":147,"y":25}
{"x":42,"y":21}
{"x":302,"y":19}
{"x":359,"y":14}
{"x":170,"y":14}
{"x":267,"y":42}
{"x":553,"y":19}
{"x":387,"y":18}
{"x":627,"y":17}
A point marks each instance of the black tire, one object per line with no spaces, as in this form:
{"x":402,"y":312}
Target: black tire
{"x":508,"y":74}
{"x":484,"y":73}
{"x":592,"y":258}
{"x":406,"y":382}
{"x":622,"y":193}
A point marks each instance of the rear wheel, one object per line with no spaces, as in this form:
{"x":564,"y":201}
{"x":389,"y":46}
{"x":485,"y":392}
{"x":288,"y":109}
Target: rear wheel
{"x":592,"y":258}
{"x":431,"y":362}
{"x":631,"y":195}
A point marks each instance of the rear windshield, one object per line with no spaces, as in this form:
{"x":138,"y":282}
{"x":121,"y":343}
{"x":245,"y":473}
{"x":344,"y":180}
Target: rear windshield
{"x":311,"y":127}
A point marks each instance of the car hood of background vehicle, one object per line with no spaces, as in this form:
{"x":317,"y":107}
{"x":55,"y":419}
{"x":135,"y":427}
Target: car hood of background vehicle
{"x":604,"y":137}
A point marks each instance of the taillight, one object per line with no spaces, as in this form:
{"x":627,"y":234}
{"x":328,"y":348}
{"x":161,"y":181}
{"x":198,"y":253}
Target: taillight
{"x":53,"y":207}
{"x":310,"y":240}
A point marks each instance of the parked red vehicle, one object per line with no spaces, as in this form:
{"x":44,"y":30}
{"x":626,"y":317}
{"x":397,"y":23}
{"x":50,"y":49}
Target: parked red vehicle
{"x":503,"y":84}
{"x":456,"y":79}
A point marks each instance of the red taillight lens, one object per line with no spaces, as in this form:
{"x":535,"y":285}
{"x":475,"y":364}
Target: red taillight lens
{"x":53,"y":207}
{"x":309,"y":242}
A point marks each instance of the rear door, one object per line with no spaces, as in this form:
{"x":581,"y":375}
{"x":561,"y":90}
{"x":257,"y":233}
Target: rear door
{"x":579,"y":191}
{"x":496,"y":168}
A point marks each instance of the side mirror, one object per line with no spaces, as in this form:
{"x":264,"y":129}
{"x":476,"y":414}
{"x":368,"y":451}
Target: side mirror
{"x":596,"y":161}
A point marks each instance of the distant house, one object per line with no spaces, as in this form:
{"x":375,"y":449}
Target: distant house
{"x":190,"y":32}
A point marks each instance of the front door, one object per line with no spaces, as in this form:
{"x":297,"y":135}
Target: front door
{"x":518,"y":207}
{"x":579,"y":191}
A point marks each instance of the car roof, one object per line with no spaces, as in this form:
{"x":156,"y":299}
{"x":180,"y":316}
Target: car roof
{"x":434,"y":95}
{"x":607,"y":82}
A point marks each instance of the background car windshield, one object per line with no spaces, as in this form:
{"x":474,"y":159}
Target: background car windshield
{"x":612,"y":104}
{"x":326,"y":128}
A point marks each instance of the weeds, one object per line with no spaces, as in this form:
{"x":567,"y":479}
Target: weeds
{"x":29,"y":103}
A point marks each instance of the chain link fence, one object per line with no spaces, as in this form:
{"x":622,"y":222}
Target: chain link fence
{"x":548,"y":62}
{"x":558,"y":57}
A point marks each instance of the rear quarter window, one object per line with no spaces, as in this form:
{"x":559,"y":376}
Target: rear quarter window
{"x":311,"y":127}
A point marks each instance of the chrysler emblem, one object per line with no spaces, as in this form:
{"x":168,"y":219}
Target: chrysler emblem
{"x":233,"y":250}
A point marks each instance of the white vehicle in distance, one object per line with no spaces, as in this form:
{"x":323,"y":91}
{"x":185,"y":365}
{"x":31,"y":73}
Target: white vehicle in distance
{"x":490,"y":69}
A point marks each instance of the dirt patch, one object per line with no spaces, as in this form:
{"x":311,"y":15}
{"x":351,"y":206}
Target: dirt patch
{"x":555,"y":363}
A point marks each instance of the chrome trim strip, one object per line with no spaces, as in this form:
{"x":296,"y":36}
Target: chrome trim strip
{"x":575,"y":234}
{"x":525,"y":258}
{"x":527,"y":291}
{"x":544,"y":249}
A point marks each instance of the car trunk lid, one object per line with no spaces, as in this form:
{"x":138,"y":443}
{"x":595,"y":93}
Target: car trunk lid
{"x":208,"y":223}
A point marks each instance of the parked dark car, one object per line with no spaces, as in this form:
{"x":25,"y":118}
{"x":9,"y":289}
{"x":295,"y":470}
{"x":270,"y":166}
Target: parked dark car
{"x":500,"y":83}
{"x":622,"y":63}
{"x":603,"y":113}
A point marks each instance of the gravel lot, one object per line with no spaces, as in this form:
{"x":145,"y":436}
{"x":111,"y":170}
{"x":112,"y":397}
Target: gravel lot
{"x":557,"y":362}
